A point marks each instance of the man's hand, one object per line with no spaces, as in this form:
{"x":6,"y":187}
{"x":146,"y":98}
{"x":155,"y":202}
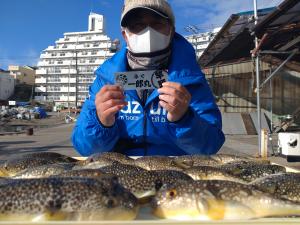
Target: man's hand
{"x":109,"y":101}
{"x":175,"y":98}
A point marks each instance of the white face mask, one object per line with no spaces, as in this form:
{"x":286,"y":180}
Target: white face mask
{"x":147,"y":41}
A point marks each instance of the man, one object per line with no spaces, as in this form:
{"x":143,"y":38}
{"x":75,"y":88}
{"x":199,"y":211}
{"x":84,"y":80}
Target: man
{"x":178,"y":118}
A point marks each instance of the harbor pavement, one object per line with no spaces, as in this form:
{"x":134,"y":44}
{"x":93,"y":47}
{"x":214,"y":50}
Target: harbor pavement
{"x":57,"y":139}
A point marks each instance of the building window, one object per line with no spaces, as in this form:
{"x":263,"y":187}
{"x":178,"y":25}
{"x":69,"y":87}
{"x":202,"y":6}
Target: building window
{"x":95,"y":45}
{"x":94,"y":52}
{"x":93,"y":24}
{"x":84,"y":53}
{"x":62,"y":54}
{"x":67,"y":39}
{"x":86,"y":45}
{"x":88,"y":38}
{"x":53,"y":54}
{"x":59,"y":62}
{"x":64,"y":46}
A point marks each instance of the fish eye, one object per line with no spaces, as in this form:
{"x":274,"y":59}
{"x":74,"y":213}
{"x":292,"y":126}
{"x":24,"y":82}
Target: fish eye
{"x":172,"y":193}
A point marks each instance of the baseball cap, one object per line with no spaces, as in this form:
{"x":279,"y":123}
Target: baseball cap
{"x":160,"y":7}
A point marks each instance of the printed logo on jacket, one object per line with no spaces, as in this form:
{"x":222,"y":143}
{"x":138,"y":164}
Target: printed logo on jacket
{"x":134,"y":111}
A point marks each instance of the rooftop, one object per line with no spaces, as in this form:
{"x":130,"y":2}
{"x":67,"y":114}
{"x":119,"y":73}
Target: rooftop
{"x":278,"y":28}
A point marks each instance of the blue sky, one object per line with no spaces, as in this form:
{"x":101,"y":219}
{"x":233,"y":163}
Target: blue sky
{"x":29,"y":26}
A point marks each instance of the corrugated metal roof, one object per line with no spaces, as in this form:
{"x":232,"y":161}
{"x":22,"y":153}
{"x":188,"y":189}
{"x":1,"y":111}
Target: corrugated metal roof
{"x":234,"y":40}
{"x":286,"y":13}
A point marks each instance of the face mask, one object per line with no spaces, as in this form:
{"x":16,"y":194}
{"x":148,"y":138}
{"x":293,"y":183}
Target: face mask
{"x":147,"y":41}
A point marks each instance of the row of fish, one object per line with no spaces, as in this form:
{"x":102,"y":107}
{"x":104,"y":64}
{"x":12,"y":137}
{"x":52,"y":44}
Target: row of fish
{"x":112,"y":186}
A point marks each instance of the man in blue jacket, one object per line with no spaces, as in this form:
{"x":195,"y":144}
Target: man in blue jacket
{"x":179,"y":118}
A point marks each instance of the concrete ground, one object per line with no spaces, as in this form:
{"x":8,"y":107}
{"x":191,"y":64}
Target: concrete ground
{"x":57,"y":139}
{"x":54,"y":139}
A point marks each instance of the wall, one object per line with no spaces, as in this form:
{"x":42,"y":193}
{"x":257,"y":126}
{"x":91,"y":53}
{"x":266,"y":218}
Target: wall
{"x":23,"y":75}
{"x":234,"y":85}
{"x":7,"y":85}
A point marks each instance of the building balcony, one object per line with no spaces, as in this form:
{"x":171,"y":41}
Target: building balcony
{"x":62,"y":98}
{"x":89,"y":54}
{"x":56,"y":55}
{"x":68,"y":71}
{"x":85,"y":81}
{"x":41,"y":72}
{"x":66,"y":80}
{"x":41,"y":63}
{"x":87,"y":38}
{"x":92,"y":62}
{"x":61,"y":90}
{"x":40,"y":80}
{"x":50,"y":48}
{"x":40,"y":89}
{"x":40,"y":98}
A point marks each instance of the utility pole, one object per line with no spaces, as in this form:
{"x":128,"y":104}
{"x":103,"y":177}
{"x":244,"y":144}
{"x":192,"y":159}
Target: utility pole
{"x":76,"y":74}
{"x":257,"y":82}
{"x":76,"y":82}
{"x":69,"y":91}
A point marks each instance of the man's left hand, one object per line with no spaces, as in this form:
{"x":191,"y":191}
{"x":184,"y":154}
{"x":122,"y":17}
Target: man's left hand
{"x":174,"y":98}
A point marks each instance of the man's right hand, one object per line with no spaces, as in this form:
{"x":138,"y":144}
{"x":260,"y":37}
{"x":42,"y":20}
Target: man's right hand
{"x":109,"y":100}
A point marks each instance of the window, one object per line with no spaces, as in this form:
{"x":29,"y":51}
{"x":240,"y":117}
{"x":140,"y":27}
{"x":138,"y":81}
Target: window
{"x":93,"y":24}
{"x":64,"y":46}
{"x":94,"y":52}
{"x":59,"y":62}
{"x":88,"y":38}
{"x":84,"y":53}
{"x":53,"y":54}
{"x":62,"y":54}
{"x":95,"y":45}
{"x":67,"y":39}
{"x":86,"y":45}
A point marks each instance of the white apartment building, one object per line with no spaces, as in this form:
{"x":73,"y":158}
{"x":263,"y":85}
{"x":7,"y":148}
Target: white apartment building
{"x":201,"y":41}
{"x":66,"y":70}
{"x":7,"y":85}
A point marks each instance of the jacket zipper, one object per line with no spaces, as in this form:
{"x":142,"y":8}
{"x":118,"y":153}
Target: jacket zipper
{"x":145,"y":133}
{"x":145,"y":96}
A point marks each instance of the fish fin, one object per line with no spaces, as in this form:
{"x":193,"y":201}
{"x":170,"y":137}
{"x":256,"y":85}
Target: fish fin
{"x":212,"y":208}
{"x":51,"y":216}
{"x":216,"y":209}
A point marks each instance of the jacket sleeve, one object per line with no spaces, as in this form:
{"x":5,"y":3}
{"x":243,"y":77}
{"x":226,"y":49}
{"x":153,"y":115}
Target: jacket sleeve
{"x":89,"y":136}
{"x":200,"y":130}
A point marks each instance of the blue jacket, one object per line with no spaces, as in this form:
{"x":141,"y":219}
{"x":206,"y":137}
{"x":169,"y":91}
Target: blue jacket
{"x":145,"y":130}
